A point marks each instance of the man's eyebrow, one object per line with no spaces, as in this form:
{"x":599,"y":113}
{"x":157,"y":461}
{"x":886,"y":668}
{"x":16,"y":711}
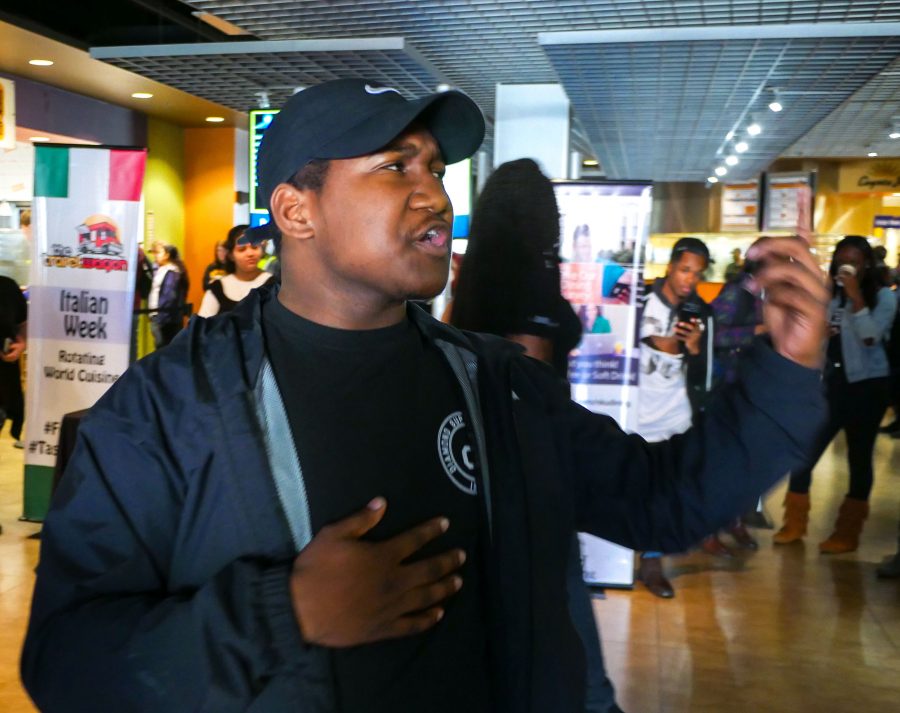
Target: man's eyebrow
{"x":404,"y":148}
{"x":409,"y":149}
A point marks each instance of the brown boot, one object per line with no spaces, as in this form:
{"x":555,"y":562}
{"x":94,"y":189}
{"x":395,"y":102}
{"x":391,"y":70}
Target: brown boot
{"x":845,"y":537}
{"x":796,"y":517}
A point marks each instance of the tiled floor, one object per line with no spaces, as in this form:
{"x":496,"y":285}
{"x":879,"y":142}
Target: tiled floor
{"x":783,"y":630}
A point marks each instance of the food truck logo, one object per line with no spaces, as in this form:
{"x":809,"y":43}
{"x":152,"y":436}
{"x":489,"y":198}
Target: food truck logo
{"x":98,"y":247}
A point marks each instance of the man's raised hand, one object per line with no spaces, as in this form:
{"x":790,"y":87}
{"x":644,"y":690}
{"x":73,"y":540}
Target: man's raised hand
{"x":795,"y":299}
{"x":346,"y":591}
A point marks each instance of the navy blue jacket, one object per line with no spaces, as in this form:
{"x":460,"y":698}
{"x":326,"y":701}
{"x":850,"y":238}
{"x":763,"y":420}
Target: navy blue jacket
{"x":163,"y":579}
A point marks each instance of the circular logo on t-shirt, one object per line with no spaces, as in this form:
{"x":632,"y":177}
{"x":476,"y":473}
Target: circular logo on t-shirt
{"x":456,"y":453}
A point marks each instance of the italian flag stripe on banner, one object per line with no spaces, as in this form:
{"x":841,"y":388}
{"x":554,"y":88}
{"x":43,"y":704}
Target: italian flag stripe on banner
{"x":124,"y":170}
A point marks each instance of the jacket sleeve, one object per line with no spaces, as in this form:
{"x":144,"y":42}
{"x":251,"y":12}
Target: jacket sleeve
{"x":669,"y":495}
{"x":114,"y":626}
{"x":875,"y":324}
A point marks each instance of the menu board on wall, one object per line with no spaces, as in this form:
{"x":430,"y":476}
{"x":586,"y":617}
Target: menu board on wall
{"x":740,"y":206}
{"x":788,"y":203}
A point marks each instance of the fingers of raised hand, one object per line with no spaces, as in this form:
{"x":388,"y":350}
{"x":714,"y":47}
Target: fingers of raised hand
{"x":797,"y":274}
{"x":783,"y":249}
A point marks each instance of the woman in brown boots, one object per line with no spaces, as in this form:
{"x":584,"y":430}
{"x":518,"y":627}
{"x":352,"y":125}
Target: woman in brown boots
{"x":856,"y":383}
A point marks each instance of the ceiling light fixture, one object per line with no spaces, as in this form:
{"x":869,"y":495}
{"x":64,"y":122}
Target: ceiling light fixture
{"x":215,"y":119}
{"x":729,"y":136}
{"x":741,"y":146}
{"x":775,"y":105}
{"x":141,"y":95}
{"x":895,"y":127}
{"x":590,"y":162}
{"x":41,"y":62}
{"x":754,"y":129}
{"x":872,"y":154}
{"x":712,"y":179}
{"x":721,"y":171}
{"x":732,"y":160}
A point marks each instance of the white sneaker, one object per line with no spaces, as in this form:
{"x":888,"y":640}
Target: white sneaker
{"x":19,"y":444}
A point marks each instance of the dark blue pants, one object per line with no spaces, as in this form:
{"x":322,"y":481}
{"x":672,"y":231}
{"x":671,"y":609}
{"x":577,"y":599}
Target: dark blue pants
{"x":600,"y":696}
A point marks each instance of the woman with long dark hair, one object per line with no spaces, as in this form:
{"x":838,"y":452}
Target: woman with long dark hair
{"x":168,"y":294}
{"x":509,"y":285}
{"x":856,"y":382}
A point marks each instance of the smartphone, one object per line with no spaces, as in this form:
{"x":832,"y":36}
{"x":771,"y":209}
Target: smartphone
{"x":7,"y":345}
{"x":688,"y":312}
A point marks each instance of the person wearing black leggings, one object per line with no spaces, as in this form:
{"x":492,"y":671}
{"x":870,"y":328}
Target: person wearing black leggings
{"x":856,"y":382}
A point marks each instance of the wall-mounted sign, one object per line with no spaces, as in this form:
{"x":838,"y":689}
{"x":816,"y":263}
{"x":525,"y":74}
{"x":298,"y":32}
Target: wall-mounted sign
{"x":887,"y":221}
{"x":740,"y":206}
{"x":7,"y":114}
{"x":870,"y":176}
{"x":788,"y":203}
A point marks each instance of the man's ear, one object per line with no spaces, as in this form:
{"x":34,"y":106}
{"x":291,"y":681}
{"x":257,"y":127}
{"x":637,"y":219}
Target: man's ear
{"x":292,"y":210}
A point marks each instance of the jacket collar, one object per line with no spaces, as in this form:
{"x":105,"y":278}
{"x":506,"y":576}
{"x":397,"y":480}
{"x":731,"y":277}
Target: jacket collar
{"x":245,"y":323}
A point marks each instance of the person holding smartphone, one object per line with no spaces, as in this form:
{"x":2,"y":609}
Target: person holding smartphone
{"x":676,"y":369}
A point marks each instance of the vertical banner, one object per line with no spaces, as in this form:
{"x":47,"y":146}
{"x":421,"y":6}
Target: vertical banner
{"x":604,"y":228}
{"x":7,"y":114}
{"x":87,"y":223}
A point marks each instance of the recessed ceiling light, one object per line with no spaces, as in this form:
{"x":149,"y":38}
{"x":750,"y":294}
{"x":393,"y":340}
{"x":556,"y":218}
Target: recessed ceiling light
{"x":729,"y":136}
{"x":142,"y":95}
{"x":41,"y":62}
{"x":775,"y":106}
{"x":741,"y":146}
{"x":39,"y":139}
{"x":721,"y":171}
{"x":712,"y":179}
{"x":590,"y":162}
{"x":872,"y":154}
{"x":754,"y":129}
{"x":894,"y":135}
{"x":731,"y":160}
{"x":215,"y":119}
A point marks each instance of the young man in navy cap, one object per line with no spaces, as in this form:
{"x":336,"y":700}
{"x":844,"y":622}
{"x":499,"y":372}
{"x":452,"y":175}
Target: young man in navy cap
{"x":325,"y":500}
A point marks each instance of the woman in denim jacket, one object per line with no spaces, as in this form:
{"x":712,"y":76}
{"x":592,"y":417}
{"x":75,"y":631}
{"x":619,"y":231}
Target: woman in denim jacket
{"x":856,"y":383}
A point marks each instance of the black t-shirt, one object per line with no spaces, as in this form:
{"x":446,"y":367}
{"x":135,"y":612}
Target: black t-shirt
{"x":13,"y":309}
{"x":379,"y":412}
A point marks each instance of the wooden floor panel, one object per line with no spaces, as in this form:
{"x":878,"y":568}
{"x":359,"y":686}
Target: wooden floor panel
{"x":781,"y":630}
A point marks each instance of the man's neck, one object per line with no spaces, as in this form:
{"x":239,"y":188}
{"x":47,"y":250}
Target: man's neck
{"x":342,"y":312}
{"x":670,"y":295}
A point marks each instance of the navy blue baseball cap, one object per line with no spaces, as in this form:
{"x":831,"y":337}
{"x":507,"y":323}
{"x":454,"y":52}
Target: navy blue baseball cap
{"x":346,"y":118}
